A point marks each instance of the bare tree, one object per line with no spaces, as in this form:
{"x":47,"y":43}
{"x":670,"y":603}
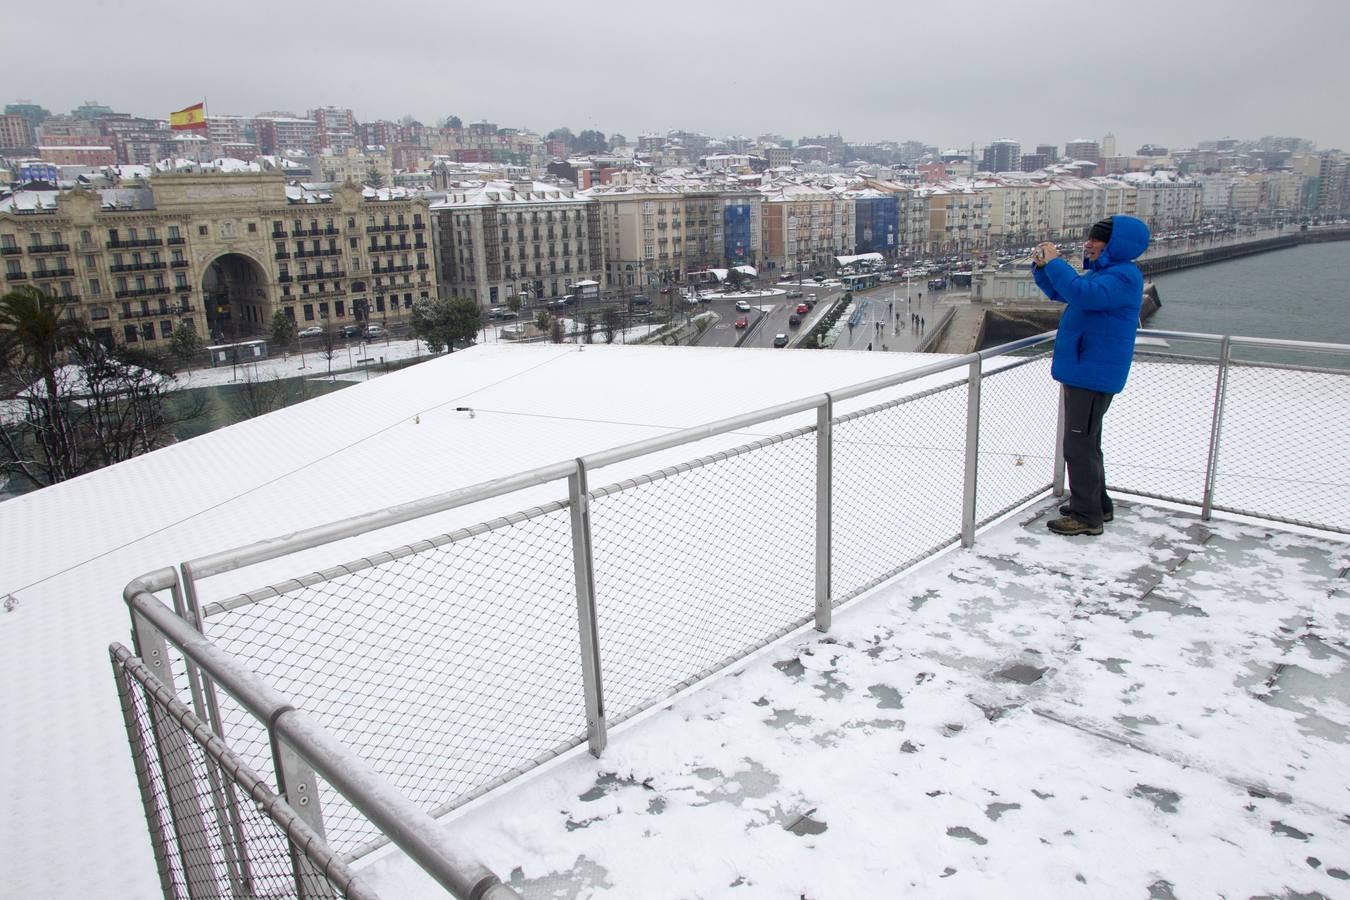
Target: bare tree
{"x":259,"y":395}
{"x":610,"y":324}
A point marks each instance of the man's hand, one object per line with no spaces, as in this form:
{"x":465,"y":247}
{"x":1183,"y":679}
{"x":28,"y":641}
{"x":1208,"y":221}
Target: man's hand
{"x":1045,"y":252}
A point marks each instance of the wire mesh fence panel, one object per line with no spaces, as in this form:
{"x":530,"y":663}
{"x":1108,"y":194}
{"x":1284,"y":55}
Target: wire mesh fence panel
{"x":447,"y":668}
{"x":701,"y":566}
{"x":218,"y":829}
{"x":898,"y":474}
{"x":1156,"y":435}
{"x":1018,"y":410}
{"x":1284,"y":448}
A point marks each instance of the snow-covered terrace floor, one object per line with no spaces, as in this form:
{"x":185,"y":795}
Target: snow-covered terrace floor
{"x":1159,"y":712}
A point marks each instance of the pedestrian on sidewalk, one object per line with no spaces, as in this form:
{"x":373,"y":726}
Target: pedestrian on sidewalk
{"x":1094,"y":348}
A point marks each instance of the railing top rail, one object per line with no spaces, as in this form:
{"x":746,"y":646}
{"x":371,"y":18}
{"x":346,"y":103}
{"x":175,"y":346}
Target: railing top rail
{"x":410,"y":828}
{"x":1283,"y":343}
{"x":273,"y":548}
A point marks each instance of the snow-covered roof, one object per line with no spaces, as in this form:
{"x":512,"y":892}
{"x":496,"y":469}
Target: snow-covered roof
{"x":71,"y":548}
{"x":26,"y":201}
{"x":503,"y":193}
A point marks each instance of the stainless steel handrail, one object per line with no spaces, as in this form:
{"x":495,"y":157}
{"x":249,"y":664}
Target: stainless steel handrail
{"x":411,"y":829}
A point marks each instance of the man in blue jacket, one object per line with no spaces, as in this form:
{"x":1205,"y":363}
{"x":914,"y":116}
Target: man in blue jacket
{"x":1093,"y":352}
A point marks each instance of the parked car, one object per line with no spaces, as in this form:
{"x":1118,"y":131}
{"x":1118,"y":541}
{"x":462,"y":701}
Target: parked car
{"x":803,"y":309}
{"x":310,"y":331}
{"x":375,"y":331}
{"x":742,"y":306}
{"x":780,"y":340}
{"x":666,"y":290}
{"x":743,"y":322}
{"x":793,"y":295}
{"x":641,"y":300}
{"x":794,"y":320}
{"x":351,"y":331}
{"x":501,"y":312}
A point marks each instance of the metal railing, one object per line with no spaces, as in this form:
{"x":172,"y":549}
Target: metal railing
{"x":450,"y":664}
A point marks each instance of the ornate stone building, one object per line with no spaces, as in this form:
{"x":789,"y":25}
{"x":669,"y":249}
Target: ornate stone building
{"x":220,"y":253}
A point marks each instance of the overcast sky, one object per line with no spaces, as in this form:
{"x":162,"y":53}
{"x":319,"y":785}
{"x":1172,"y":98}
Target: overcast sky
{"x":1169,"y":73}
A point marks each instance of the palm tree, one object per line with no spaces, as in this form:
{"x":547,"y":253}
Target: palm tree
{"x":34,"y":338}
{"x":34,"y":335}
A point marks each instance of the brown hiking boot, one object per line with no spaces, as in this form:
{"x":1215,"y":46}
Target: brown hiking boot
{"x":1071,"y":525}
{"x":1065,"y":511}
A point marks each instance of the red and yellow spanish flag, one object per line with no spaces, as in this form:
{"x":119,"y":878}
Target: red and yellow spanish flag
{"x":191,"y":119}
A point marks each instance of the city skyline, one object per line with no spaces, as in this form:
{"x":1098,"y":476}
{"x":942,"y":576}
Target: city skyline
{"x":1031,"y":73}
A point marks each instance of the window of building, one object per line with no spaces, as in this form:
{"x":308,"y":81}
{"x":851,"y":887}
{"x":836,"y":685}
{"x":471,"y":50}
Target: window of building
{"x":227,"y":229}
{"x":340,"y":307}
{"x":309,"y":312}
{"x":323,"y":310}
{"x":98,"y":313}
{"x":201,"y":230}
{"x":180,"y":280}
{"x":133,"y":234}
{"x":94,"y":287}
{"x":129,"y":333}
{"x":86,"y":238}
{"x":165,"y":328}
{"x":148,"y":331}
{"x":174,"y":233}
{"x":379,"y":303}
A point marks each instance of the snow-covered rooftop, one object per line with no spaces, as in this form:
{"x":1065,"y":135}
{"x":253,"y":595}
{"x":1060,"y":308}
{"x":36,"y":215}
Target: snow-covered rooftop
{"x":1159,"y":714}
{"x":1152,"y":750}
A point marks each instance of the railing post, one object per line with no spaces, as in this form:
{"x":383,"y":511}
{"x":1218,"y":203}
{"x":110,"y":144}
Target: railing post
{"x":140,"y":758}
{"x":1220,"y":392}
{"x":972,"y":453}
{"x":1059,"y":445}
{"x":175,"y":760}
{"x":223,"y":796}
{"x":596,"y":734}
{"x":298,"y":784}
{"x":824,"y":510}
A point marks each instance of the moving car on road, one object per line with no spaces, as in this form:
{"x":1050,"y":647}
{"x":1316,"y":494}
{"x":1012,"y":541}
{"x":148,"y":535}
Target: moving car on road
{"x":802,"y":309}
{"x":375,"y":331}
{"x":742,"y":306}
{"x":780,"y":340}
{"x":310,"y":331}
{"x":742,"y":322}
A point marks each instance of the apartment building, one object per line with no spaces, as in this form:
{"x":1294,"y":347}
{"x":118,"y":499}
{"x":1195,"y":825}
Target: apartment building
{"x":1019,"y":210}
{"x":657,"y":234}
{"x":336,"y":128}
{"x":1084,"y":150}
{"x":16,"y":133}
{"x":958,"y":218}
{"x":1073,"y":204}
{"x":498,"y":239}
{"x":1165,"y":200}
{"x":219,"y":253}
{"x":805,"y":226}
{"x":278,"y":134}
{"x":355,"y":166}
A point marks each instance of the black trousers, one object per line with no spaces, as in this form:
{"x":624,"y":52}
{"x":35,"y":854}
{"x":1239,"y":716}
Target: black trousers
{"x":1083,"y":412}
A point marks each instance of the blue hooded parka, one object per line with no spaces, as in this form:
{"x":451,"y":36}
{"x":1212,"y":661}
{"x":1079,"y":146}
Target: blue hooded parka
{"x":1095,"y":343}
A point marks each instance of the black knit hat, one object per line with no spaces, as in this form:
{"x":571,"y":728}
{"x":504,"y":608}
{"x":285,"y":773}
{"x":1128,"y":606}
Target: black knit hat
{"x":1101,"y":231}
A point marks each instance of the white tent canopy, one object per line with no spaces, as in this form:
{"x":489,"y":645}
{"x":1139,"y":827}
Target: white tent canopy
{"x":860,"y":258}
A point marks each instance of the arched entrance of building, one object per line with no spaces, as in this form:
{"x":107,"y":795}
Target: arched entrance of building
{"x":237,"y":302}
